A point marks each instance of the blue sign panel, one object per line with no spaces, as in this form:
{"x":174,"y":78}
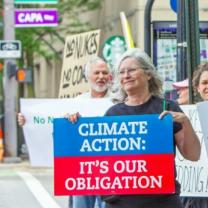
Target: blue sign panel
{"x":112,"y":134}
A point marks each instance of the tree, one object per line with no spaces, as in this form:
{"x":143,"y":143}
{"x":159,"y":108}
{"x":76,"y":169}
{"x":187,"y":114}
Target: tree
{"x":42,"y":41}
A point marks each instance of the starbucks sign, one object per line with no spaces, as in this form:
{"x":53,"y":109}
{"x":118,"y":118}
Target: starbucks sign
{"x":113,"y":48}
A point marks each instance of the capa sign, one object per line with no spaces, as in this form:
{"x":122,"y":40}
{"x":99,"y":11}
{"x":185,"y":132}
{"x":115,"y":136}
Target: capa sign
{"x":33,"y":17}
{"x":36,"y":17}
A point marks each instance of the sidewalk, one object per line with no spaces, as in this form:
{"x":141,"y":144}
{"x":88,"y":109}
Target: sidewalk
{"x":18,"y":162}
{"x":21,"y":164}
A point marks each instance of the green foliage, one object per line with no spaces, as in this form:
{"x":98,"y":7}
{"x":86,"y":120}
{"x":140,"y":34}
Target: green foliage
{"x":43,"y":41}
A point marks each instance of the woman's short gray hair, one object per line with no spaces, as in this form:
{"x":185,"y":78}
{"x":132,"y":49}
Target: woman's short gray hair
{"x":92,"y":60}
{"x":155,"y":83}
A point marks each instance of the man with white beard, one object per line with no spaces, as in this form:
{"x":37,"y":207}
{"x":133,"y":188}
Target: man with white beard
{"x":98,"y":75}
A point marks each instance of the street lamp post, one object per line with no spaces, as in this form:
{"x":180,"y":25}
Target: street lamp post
{"x":188,"y":47}
{"x":193,"y":44}
{"x":181,"y":41}
{"x":10,"y":87}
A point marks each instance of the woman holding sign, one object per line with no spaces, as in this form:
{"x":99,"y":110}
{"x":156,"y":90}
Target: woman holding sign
{"x":139,"y":93}
{"x":200,"y":85}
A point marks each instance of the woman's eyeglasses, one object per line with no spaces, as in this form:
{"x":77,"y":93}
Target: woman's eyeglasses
{"x":130,"y":71}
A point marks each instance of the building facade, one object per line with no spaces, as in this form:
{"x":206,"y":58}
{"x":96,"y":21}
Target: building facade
{"x":47,"y":74}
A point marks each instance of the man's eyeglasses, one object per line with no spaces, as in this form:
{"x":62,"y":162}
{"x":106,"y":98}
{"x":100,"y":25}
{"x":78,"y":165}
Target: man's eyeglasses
{"x":130,"y":71}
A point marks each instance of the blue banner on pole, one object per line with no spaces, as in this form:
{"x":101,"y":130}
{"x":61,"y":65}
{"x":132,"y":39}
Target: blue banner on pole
{"x":173,"y":5}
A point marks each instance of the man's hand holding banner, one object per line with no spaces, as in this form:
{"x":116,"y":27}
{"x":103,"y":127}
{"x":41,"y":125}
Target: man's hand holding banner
{"x":114,"y":155}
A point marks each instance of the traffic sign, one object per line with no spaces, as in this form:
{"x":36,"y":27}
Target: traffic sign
{"x":173,"y":5}
{"x":21,"y":73}
{"x":10,"y":49}
{"x":24,"y":75}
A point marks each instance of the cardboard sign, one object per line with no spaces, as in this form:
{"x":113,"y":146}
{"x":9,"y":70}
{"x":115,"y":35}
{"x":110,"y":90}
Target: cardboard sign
{"x":114,"y":155}
{"x":77,"y":50}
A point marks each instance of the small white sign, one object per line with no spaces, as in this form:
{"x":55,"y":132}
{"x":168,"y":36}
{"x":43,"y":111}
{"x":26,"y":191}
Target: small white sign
{"x":202,"y":108}
{"x":10,"y":49}
{"x":39,"y":114}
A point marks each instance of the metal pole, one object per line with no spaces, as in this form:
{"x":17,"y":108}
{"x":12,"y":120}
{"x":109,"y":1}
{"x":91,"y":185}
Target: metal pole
{"x":147,"y":26}
{"x":181,"y":41}
{"x":193,"y":46}
{"x":188,"y":51}
{"x":10,"y":86}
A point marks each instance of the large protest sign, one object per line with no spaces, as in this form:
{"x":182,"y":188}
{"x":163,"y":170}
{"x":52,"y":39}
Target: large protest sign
{"x":193,"y":176}
{"x":202,"y":108}
{"x":114,"y":155}
{"x":77,"y":50}
{"x":39,"y":114}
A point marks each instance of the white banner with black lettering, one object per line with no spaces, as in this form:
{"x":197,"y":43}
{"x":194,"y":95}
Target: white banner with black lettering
{"x":193,"y":176}
{"x":202,"y":108}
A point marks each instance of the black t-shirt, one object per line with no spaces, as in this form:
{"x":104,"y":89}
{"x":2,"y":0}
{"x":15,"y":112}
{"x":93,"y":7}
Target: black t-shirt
{"x":153,"y":106}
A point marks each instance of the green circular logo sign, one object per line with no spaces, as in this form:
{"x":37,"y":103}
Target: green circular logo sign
{"x":113,"y":48}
